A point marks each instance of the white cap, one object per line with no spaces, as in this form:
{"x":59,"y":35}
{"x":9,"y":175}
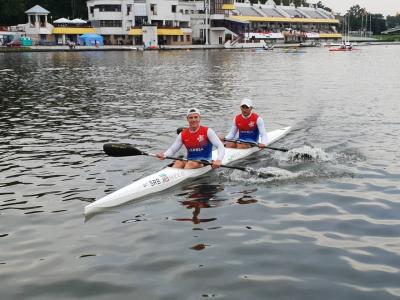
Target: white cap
{"x":193,"y":110}
{"x":247,"y":102}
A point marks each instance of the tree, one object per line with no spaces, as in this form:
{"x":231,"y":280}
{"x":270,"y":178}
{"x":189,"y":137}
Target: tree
{"x":320,"y":5}
{"x":13,"y":11}
{"x":360,"y":18}
{"x":378,"y":23}
{"x":393,"y":21}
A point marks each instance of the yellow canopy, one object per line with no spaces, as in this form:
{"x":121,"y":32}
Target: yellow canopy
{"x":285,"y":20}
{"x":330,"y":35}
{"x":135,"y":31}
{"x":160,"y":31}
{"x":167,"y":31}
{"x":228,"y":6}
{"x":73,"y":30}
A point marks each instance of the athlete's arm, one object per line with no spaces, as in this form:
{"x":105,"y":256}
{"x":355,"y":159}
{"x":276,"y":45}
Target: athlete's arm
{"x":213,"y":138}
{"x":262,"y":131}
{"x":175,"y":146}
{"x":231,"y":135}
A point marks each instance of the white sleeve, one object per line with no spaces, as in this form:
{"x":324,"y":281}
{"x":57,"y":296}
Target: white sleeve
{"x":175,"y":146}
{"x":261,"y":129}
{"x":212,"y":136}
{"x":231,"y":135}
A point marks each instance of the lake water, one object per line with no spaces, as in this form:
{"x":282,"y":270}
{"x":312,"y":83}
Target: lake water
{"x":326,"y":228}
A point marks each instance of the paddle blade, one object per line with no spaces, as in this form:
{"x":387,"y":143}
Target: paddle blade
{"x":180,"y":129}
{"x":121,"y":150}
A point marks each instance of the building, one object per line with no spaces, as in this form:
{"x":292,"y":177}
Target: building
{"x":112,"y":19}
{"x":180,"y":22}
{"x":122,"y":21}
{"x":38,"y":28}
{"x":240,"y":20}
{"x":154,"y":23}
{"x":66,"y":31}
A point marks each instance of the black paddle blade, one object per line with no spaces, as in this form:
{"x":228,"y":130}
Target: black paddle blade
{"x":121,"y":150}
{"x":180,"y":129}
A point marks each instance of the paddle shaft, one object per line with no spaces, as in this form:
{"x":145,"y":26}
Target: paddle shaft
{"x":256,"y":145}
{"x":204,"y":162}
{"x":119,"y":150}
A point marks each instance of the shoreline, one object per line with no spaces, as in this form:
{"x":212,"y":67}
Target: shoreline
{"x":162,"y":48}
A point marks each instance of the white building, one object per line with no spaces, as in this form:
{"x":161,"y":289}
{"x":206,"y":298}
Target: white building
{"x":112,"y":19}
{"x":121,"y":21}
{"x":178,"y":22}
{"x":38,"y":28}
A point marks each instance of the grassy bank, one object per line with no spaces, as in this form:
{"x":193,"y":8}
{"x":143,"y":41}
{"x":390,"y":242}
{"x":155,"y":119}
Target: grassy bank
{"x":387,"y":38}
{"x":14,"y":49}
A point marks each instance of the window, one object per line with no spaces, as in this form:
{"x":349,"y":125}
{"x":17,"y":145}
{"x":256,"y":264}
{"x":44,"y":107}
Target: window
{"x":153,"y":9}
{"x":173,"y":7}
{"x":128,"y":9}
{"x":110,"y":23}
{"x":108,"y":7}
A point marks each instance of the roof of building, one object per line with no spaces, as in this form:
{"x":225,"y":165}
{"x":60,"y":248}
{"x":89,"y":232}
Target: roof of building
{"x":392,"y":30}
{"x":271,"y":10}
{"x":37,"y":9}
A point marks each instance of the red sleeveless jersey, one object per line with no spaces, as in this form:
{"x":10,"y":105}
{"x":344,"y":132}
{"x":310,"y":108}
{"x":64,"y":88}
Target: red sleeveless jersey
{"x":248,"y":129}
{"x":197,"y":143}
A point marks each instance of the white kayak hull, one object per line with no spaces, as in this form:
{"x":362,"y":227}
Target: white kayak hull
{"x":169,"y":177}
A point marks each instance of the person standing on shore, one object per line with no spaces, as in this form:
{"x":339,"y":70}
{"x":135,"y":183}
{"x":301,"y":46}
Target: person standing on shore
{"x":250,"y":126}
{"x":199,"y":141}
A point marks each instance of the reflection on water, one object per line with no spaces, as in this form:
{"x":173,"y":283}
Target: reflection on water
{"x":199,"y":197}
{"x":246,"y":199}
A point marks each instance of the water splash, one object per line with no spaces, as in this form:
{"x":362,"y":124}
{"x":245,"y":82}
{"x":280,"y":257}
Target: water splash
{"x":275,"y":175}
{"x":317,"y":155}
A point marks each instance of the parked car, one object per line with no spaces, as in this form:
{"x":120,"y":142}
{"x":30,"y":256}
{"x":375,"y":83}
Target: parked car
{"x":14,"y":43}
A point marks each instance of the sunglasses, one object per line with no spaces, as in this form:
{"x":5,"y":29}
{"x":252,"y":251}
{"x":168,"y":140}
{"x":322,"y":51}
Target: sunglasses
{"x":245,"y":107}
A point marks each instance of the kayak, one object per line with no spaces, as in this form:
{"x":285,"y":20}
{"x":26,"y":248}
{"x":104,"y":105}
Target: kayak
{"x":169,"y":177}
{"x":342,"y":49}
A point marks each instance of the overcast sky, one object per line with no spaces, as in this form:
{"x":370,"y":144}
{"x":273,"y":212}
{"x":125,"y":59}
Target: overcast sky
{"x":385,"y":7}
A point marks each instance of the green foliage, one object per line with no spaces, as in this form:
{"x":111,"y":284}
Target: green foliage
{"x":320,"y":5}
{"x":360,"y":19}
{"x":393,"y":21}
{"x":387,"y":38}
{"x":12,"y":12}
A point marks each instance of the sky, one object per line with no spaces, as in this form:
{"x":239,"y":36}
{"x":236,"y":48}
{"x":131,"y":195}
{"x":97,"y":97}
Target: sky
{"x":385,"y":7}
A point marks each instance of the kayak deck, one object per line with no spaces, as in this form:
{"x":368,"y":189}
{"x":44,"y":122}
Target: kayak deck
{"x":169,"y":177}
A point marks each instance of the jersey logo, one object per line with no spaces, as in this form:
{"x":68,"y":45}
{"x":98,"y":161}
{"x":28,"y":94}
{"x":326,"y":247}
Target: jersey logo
{"x":251,"y":124}
{"x":200,"y":138}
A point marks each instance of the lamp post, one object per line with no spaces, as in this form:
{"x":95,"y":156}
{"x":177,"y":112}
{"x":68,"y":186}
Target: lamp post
{"x":206,"y":6}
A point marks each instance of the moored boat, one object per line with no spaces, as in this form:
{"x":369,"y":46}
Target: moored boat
{"x":169,"y":177}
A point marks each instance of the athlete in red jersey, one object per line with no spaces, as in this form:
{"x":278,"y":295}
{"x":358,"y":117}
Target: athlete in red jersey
{"x":250,"y":126}
{"x":198,"y":141}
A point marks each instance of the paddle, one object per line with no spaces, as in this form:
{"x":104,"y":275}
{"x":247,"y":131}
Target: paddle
{"x":256,"y":145}
{"x":297,"y":155}
{"x":119,"y":150}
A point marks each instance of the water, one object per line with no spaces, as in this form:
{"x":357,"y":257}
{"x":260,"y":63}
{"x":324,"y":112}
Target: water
{"x":321,"y":228}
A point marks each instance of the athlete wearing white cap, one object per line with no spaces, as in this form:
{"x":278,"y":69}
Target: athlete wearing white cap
{"x":199,"y":141}
{"x":249,"y":125}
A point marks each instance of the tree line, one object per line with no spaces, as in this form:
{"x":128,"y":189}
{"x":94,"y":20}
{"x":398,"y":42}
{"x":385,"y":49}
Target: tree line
{"x":12,"y":12}
{"x":360,"y":19}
